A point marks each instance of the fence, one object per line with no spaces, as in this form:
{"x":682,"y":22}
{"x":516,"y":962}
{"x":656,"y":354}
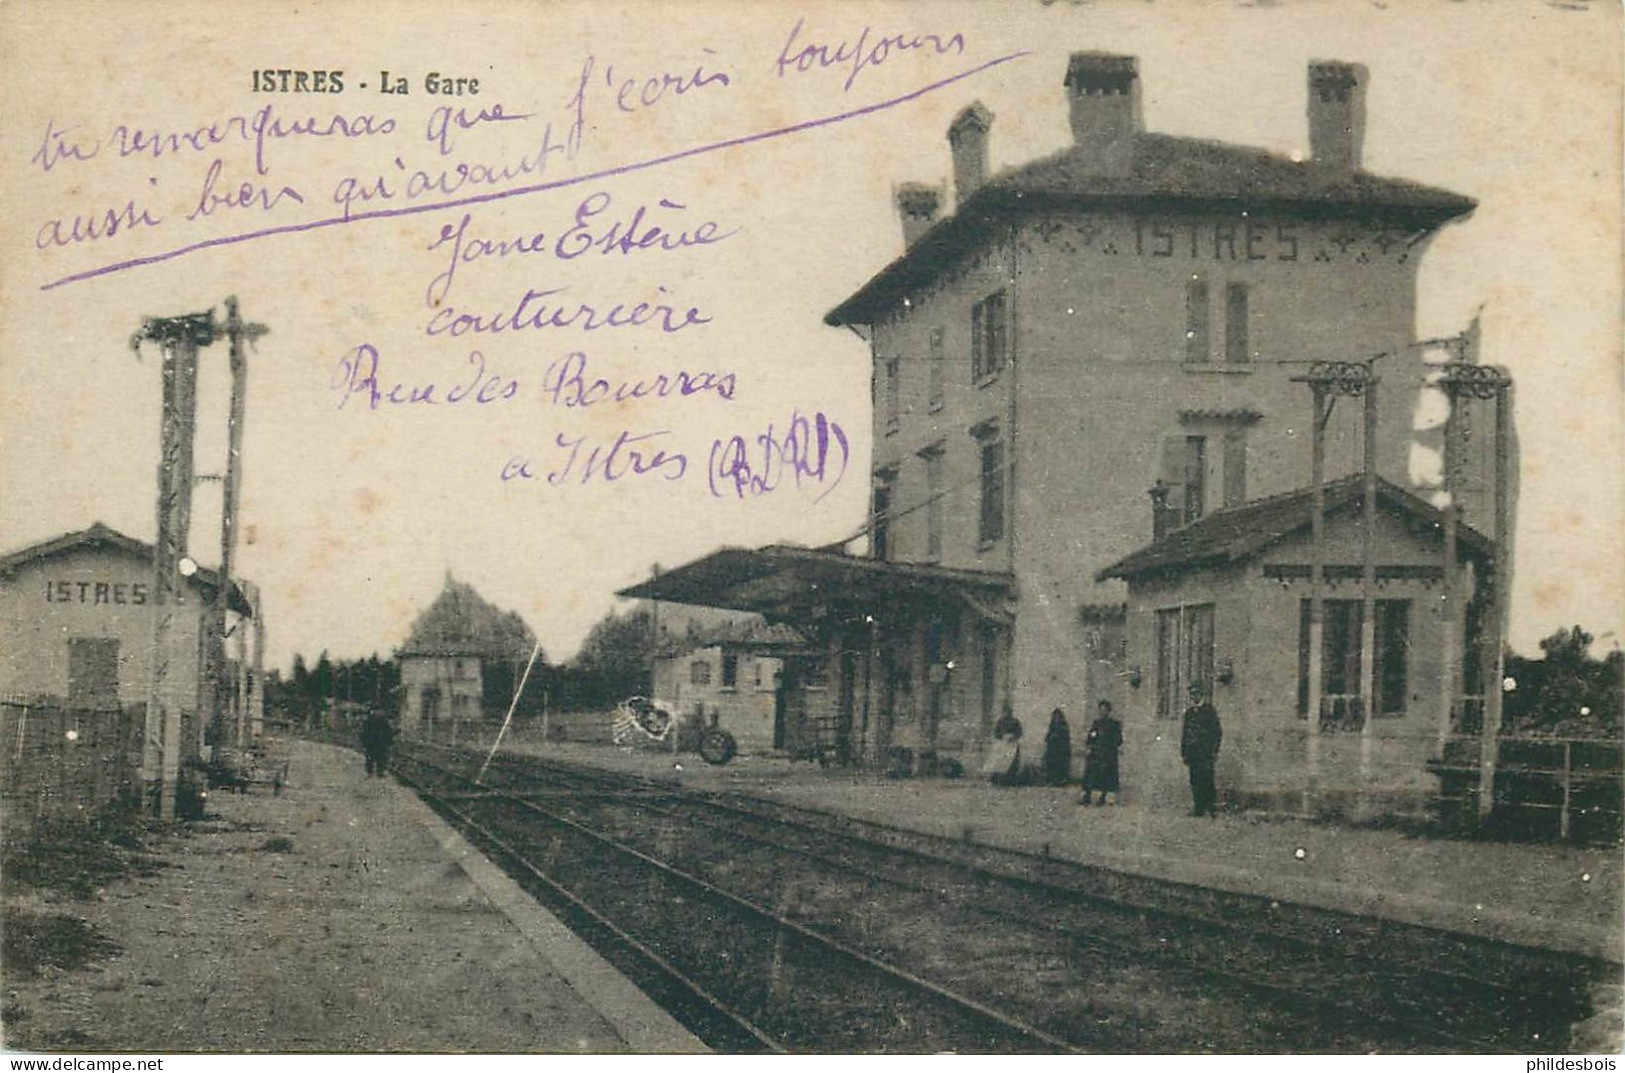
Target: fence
{"x":1566,"y":789}
{"x":66,"y":764}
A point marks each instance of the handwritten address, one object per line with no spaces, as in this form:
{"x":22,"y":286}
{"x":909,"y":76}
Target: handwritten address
{"x":323,"y":147}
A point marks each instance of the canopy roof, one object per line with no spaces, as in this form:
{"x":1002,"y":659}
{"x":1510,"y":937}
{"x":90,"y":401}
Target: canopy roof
{"x":782,"y":581}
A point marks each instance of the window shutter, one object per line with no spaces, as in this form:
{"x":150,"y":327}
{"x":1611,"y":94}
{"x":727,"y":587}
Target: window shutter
{"x":1236,"y":338}
{"x":1235,"y":466}
{"x":1197,"y":342}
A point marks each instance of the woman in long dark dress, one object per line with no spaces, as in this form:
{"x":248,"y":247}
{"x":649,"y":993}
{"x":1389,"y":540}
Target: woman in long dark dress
{"x":1057,"y":750}
{"x":1100,"y":751}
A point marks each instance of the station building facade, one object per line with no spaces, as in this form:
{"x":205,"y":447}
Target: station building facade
{"x":445,"y":658}
{"x":732,"y":676}
{"x":76,"y":626}
{"x":1088,"y":352}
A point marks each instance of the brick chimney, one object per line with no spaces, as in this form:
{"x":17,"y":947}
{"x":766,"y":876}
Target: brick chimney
{"x":967,"y":139}
{"x":917,"y":208}
{"x":1336,"y":113}
{"x":1103,"y":102}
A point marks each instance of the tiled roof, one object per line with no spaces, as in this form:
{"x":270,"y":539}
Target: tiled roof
{"x":1162,"y":171}
{"x":1239,"y":533}
{"x":102,"y":536}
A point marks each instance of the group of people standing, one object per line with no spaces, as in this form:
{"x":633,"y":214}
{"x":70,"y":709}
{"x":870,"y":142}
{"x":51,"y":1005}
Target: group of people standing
{"x":1199,"y":740}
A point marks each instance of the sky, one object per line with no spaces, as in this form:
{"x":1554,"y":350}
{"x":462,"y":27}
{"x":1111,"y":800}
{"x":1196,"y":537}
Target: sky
{"x":772,"y":181}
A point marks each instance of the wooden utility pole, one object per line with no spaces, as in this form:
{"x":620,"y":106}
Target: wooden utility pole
{"x":1461,"y":381}
{"x":179,"y":337}
{"x":1450,"y":654}
{"x":1322,"y":412}
{"x":1370,"y":697}
{"x":1327,"y":380}
{"x":212,"y":673}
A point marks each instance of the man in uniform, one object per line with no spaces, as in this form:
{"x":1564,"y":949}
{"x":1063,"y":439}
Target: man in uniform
{"x":1199,"y":742}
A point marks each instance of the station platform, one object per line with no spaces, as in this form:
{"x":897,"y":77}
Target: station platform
{"x":341,"y":916}
{"x":1558,"y":897}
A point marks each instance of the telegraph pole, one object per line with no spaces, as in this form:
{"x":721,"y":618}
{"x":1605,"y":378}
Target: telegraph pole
{"x":212,"y":673}
{"x":1329,"y":380}
{"x":179,"y":337}
{"x":1462,"y":380}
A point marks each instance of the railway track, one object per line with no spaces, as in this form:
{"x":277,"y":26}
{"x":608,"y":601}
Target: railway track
{"x":777,"y":912}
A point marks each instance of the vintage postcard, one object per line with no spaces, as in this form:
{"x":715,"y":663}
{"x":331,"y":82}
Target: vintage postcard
{"x":840,"y":528}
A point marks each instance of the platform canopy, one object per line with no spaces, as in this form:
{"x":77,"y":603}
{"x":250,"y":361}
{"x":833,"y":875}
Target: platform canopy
{"x":783,"y":582}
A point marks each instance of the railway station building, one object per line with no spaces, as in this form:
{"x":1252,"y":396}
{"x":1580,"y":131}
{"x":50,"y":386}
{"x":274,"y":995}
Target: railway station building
{"x":76,"y":629}
{"x":1077,"y":361}
{"x":445,"y":658}
{"x":731,"y":675}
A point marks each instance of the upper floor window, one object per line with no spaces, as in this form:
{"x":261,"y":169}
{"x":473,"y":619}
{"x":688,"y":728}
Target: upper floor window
{"x":1195,"y":478}
{"x":1184,"y":474}
{"x":932,"y":456}
{"x":990,"y":443}
{"x":936,"y":368}
{"x":880,"y":514}
{"x":989,"y":338}
{"x":1199,"y":323}
{"x":1198,"y":341}
{"x":1236,"y":343}
{"x":893,"y":370}
{"x":1235,"y":466}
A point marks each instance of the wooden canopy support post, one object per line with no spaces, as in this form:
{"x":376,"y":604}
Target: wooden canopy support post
{"x":1327,"y":380}
{"x":1370,"y":696}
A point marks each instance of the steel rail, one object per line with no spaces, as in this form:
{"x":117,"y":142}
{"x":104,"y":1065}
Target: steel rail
{"x":1331,"y":1007}
{"x":1497,"y":999}
{"x":894,"y":972}
{"x":620,"y":935}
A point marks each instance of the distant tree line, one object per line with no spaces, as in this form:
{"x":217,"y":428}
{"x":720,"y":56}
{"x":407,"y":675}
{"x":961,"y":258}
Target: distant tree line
{"x":614,"y":663}
{"x":309,"y":690}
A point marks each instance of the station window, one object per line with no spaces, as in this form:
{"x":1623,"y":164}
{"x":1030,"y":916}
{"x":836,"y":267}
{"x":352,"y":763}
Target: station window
{"x":1236,"y":344}
{"x":880,"y":514}
{"x":1198,"y":344}
{"x":893,"y":368}
{"x":1341,"y":704}
{"x":989,"y":338}
{"x":936,"y":369}
{"x":699,"y":673}
{"x":990,"y":528}
{"x":1199,"y":323}
{"x":932,"y":456}
{"x":730,"y":671}
{"x":1184,"y":641}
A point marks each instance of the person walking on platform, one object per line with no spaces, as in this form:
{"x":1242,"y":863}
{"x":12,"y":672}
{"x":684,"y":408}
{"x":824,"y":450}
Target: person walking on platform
{"x":1100,"y":751}
{"x":1058,"y":750}
{"x":377,"y":735}
{"x":1199,"y":742}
